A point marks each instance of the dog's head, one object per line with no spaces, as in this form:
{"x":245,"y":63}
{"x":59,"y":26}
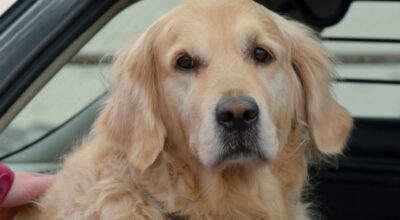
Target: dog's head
{"x":227,"y":81}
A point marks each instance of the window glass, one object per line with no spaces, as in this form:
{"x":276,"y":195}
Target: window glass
{"x":81,"y":80}
{"x":67,"y":93}
{"x":133,"y":20}
{"x":367,"y":60}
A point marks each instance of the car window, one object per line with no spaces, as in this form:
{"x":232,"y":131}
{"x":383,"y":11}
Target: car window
{"x":80,"y":81}
{"x":74,"y":87}
{"x":371,"y":68}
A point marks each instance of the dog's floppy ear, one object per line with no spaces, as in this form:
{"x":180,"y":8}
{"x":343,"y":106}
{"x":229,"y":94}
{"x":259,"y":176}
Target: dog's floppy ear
{"x":329,"y":123}
{"x":131,"y":116}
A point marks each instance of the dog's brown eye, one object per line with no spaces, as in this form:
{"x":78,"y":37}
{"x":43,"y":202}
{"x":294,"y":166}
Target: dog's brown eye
{"x":262,"y":56}
{"x":185,"y":63}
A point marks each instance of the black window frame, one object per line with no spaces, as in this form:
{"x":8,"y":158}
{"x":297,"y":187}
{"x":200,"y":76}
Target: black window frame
{"x":40,"y":43}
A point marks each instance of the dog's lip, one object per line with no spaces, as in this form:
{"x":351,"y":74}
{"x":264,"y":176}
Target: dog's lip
{"x":239,"y":150}
{"x":241,"y":154}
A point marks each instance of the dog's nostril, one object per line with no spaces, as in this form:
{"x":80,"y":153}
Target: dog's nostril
{"x":237,"y":113}
{"x":250,"y":114}
{"x":225,"y":116}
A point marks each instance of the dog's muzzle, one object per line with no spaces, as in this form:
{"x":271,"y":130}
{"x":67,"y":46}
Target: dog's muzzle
{"x":237,"y":121}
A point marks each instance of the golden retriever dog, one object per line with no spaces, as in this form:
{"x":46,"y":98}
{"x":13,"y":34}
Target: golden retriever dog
{"x":215,"y":112}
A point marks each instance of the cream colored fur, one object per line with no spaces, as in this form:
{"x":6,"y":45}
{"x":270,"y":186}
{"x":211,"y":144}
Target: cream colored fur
{"x":151,"y":153}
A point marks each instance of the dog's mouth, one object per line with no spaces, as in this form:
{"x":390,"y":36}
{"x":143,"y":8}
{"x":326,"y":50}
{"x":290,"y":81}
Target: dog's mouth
{"x":240,"y":146}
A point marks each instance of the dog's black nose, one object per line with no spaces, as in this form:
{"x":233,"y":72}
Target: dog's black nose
{"x":236,"y":113}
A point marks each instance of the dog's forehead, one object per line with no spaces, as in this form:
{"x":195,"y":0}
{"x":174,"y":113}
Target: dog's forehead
{"x":218,"y":22}
{"x":221,"y":14}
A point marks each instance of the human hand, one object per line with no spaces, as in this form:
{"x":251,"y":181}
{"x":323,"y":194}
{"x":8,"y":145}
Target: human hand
{"x":26,"y":187}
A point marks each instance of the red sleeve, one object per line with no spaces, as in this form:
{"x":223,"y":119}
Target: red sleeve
{"x":6,"y":181}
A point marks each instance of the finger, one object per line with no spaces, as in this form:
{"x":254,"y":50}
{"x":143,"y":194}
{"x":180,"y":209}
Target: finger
{"x":26,"y":187}
{"x":39,"y":184}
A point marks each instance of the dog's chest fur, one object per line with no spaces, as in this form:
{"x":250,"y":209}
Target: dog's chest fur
{"x":236,"y":193}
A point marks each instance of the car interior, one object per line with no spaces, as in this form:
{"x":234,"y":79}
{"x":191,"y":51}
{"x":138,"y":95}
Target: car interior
{"x":45,"y":43}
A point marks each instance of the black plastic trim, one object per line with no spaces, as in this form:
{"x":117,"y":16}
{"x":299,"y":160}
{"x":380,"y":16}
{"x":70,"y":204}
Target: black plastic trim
{"x":368,"y":81}
{"x":358,"y":39}
{"x":373,"y":150}
{"x":376,"y":138}
{"x":315,"y":20}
